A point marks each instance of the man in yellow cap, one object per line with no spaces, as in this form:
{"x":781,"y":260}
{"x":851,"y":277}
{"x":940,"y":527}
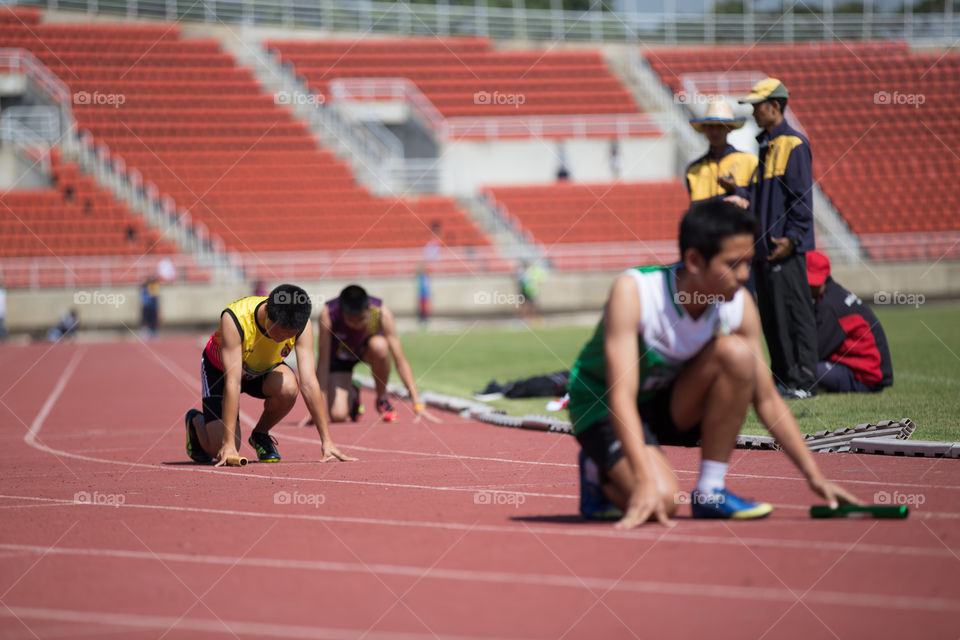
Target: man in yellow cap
{"x":724,"y":170}
{"x":782,"y":201}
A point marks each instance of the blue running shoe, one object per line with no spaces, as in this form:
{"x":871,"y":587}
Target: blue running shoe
{"x":724,"y":504}
{"x":594,"y":504}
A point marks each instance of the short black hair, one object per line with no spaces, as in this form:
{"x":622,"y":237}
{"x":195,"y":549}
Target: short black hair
{"x":707,"y":223}
{"x":782,"y":102}
{"x":289,"y":306}
{"x":354,"y":300}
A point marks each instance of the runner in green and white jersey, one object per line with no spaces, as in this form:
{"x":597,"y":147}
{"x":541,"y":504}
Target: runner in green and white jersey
{"x":677,"y":360}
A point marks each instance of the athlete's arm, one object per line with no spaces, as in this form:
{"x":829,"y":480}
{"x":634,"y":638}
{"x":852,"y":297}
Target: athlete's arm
{"x":621,"y":348}
{"x":324,"y":332}
{"x":389,"y":328}
{"x":314,"y":395}
{"x":231,"y":355}
{"x":777,"y":418}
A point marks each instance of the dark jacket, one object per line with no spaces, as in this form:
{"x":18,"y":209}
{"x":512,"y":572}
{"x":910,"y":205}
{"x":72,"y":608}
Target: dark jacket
{"x":848,"y":332}
{"x":781,"y":193}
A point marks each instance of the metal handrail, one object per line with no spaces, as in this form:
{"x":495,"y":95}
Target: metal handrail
{"x":595,"y":25}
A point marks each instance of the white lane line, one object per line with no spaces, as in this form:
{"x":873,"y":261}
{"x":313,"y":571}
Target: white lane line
{"x":31,"y":436}
{"x":729,"y":591}
{"x":607,"y":532}
{"x":233,"y":628}
{"x":573,"y":466}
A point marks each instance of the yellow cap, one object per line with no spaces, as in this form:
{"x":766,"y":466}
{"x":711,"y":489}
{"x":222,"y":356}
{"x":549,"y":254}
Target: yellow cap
{"x":764,"y":90}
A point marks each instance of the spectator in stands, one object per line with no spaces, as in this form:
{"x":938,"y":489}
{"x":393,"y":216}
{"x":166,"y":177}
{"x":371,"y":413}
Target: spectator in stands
{"x":723,"y":170}
{"x":563,"y":173}
{"x":150,"y":307}
{"x":354,"y":328}
{"x":615,"y":159}
{"x":781,"y":197}
{"x":853,"y":348}
{"x":259,"y":289}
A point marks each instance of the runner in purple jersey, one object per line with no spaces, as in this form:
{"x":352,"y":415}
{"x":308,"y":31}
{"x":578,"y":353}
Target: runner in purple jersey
{"x":353,"y":328}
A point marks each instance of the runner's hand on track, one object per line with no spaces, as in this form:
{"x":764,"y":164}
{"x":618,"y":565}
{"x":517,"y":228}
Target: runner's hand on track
{"x":330,"y":452}
{"x":423,"y":413}
{"x":226,"y":451}
{"x":833,"y":494}
{"x":644,"y":502}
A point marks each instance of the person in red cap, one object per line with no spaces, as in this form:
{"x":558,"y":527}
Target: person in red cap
{"x":852,"y":346}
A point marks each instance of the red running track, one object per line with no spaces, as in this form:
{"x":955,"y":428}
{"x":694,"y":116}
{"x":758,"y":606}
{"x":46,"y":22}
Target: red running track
{"x":107,"y":531}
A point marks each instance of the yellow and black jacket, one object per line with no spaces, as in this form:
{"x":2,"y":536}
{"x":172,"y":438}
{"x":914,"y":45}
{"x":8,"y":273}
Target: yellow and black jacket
{"x":703,"y":172}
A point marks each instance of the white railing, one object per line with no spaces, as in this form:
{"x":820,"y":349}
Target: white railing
{"x":33,"y":148}
{"x":50,"y":87}
{"x":67,"y":272}
{"x":610,"y":256}
{"x":488,"y":127}
{"x":312,"y":265}
{"x":659,"y":99}
{"x":22,"y":61}
{"x":42,"y":121}
{"x":615,"y":125}
{"x":597,"y":25}
{"x":106,"y":271}
{"x":396,"y":89}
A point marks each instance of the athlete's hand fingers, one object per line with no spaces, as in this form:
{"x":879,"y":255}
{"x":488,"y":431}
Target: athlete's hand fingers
{"x":845,"y":497}
{"x":426,"y":414}
{"x":663,"y":518}
{"x":333,"y":453}
{"x":634,"y":517}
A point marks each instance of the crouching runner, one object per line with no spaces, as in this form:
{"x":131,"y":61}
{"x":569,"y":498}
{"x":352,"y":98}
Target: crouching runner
{"x":245,"y":355}
{"x":677,"y":360}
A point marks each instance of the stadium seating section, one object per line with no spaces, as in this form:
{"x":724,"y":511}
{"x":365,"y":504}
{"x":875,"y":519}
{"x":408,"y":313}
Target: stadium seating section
{"x":881,"y":121}
{"x":196,"y":124}
{"x":75,"y":217}
{"x":466,"y":77}
{"x":620,"y":212}
{"x":182,"y":112}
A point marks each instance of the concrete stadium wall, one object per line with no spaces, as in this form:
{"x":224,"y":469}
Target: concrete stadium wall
{"x":468,"y":165}
{"x":461,"y":296}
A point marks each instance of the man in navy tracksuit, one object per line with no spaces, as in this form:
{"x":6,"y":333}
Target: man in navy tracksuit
{"x":852,"y":346}
{"x":781,"y":196}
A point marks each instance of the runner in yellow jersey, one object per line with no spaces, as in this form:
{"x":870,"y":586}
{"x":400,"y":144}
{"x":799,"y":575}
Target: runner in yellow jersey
{"x":246,"y":355}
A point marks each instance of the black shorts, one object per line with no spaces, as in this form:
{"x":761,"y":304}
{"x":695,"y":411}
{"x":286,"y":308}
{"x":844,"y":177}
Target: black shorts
{"x":600,"y":442}
{"x":212,"y":382}
{"x":342,"y":366}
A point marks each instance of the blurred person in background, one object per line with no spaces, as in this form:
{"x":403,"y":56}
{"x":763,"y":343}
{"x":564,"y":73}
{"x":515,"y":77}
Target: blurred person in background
{"x":853,"y":351}
{"x":723,"y":170}
{"x":781,"y":197}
